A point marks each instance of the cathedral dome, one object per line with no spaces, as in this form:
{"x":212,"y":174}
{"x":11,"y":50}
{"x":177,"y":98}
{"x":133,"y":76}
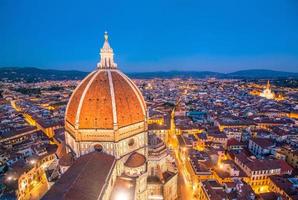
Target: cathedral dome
{"x":106,"y":99}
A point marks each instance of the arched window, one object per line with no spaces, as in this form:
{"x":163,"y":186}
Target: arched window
{"x":98,"y":147}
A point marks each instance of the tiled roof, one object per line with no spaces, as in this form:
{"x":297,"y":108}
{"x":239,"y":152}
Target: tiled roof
{"x":105,"y":98}
{"x":85,"y":179}
{"x":233,"y":141}
{"x":135,"y":160}
{"x":263,"y":142}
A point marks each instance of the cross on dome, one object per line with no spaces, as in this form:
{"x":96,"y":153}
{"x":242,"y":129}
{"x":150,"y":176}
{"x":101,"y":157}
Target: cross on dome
{"x":106,"y":55}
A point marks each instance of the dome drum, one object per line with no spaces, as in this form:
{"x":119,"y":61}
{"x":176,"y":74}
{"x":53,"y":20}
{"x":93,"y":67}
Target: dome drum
{"x":135,"y":164}
{"x":134,"y":172}
{"x":89,"y":135}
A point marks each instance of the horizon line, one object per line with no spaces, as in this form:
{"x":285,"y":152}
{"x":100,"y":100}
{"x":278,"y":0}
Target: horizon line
{"x":163,"y":71}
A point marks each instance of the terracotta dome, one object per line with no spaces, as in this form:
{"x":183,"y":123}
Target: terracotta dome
{"x":135,"y":160}
{"x":106,"y":98}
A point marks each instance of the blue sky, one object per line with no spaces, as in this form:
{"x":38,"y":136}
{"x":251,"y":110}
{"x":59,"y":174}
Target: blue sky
{"x":153,"y":35}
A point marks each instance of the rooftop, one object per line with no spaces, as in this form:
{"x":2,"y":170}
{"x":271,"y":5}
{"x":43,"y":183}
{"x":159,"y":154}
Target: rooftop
{"x":85,"y":179}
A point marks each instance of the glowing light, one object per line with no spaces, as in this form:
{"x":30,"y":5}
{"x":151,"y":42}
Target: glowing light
{"x":263,"y":189}
{"x":267,"y":92}
{"x":194,"y":187}
{"x":121,"y":195}
{"x":32,"y":162}
{"x":9,"y":178}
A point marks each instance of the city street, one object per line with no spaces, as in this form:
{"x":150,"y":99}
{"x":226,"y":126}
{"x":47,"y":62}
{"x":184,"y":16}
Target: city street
{"x":185,"y":191}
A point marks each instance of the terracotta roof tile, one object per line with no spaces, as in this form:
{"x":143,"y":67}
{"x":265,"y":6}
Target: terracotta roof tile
{"x":97,"y":111}
{"x":85,"y":179}
{"x":129,"y":110}
{"x":75,"y":99}
{"x":135,"y":160}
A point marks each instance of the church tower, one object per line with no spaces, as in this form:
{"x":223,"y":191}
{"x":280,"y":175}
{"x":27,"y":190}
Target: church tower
{"x":267,"y":93}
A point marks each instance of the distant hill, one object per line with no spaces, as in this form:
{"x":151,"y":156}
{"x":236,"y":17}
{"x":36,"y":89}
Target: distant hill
{"x":36,"y":74}
{"x":32,"y":74}
{"x":262,"y":73}
{"x":177,"y":74}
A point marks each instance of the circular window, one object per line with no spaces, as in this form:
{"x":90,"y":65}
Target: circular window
{"x":98,"y":148}
{"x":131,"y":142}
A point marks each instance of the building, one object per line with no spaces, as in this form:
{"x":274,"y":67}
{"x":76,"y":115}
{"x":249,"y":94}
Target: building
{"x":258,"y":171}
{"x":29,"y":176}
{"x":106,"y":132}
{"x":286,"y":187}
{"x":291,"y":157}
{"x":260,"y":146}
{"x":212,"y":190}
{"x":267,"y":93}
{"x":218,"y":137}
{"x":199,"y":166}
{"x":160,"y":127}
{"x":234,"y":144}
{"x":227,"y":171}
{"x":162,"y":172}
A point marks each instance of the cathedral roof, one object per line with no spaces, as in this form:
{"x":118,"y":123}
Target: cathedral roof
{"x":85,"y":179}
{"x":66,"y":160}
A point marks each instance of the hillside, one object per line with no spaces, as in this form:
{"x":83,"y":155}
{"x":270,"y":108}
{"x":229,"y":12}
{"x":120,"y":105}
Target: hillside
{"x":32,"y":74}
{"x":262,"y":73}
{"x":36,"y":74}
{"x":177,"y":74}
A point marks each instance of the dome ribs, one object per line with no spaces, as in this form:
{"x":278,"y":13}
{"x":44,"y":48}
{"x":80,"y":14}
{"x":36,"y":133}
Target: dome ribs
{"x":75,"y":98}
{"x":106,"y":99}
{"x":97,"y":112}
{"x":140,"y":96}
{"x":129,"y":110}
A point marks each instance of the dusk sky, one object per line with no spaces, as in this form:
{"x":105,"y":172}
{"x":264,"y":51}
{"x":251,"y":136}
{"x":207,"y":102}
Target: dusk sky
{"x":155,"y":35}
